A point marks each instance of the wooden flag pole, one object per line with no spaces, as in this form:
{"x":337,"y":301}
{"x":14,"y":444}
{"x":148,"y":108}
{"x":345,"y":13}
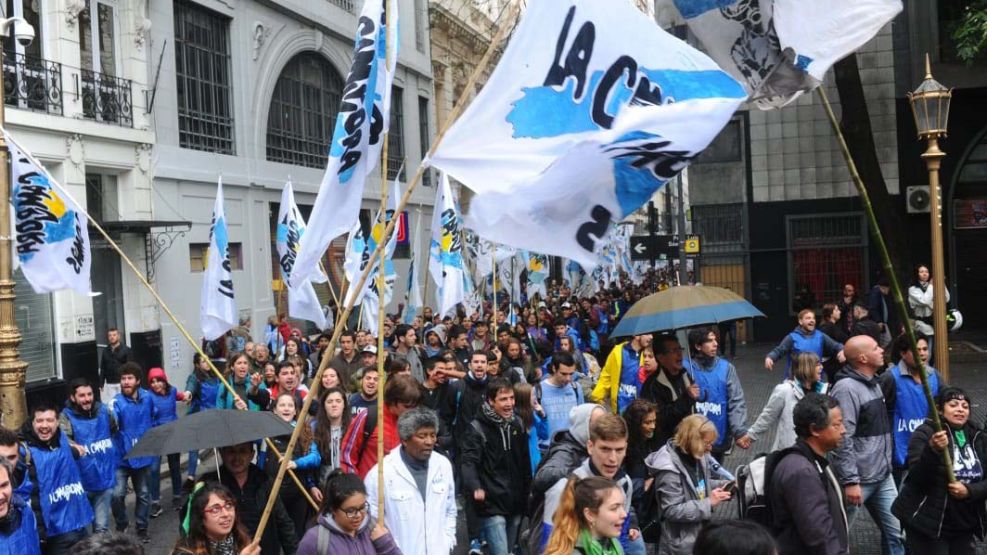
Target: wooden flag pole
{"x":493,"y":323}
{"x":501,"y":34}
{"x":382,"y":249}
{"x":882,"y":248}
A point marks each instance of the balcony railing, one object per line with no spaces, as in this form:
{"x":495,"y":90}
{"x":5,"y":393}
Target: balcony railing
{"x":345,"y":4}
{"x":32,"y":83}
{"x":107,"y":99}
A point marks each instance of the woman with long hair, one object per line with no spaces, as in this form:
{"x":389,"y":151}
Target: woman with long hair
{"x":589,"y":518}
{"x":920,"y":301}
{"x":238,"y":375}
{"x":305,"y":461}
{"x":330,"y":379}
{"x":293,"y":347}
{"x":830,"y":326}
{"x":687,"y":492}
{"x":202,"y":390}
{"x":331,"y":421}
{"x":345,"y":523}
{"x":777,"y":412}
{"x":532,"y":415}
{"x":642,"y":440}
{"x":212,"y":526}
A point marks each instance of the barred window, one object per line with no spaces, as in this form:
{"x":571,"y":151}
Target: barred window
{"x":424,"y":135}
{"x":395,"y":137}
{"x":202,"y":74}
{"x":303,"y":111}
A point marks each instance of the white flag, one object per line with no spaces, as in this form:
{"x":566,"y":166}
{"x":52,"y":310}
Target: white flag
{"x":302,"y":301}
{"x":51,"y":229}
{"x":537,"y":274}
{"x":362,"y":243}
{"x":362,"y":121}
{"x":591,"y":109}
{"x":218,"y":306}
{"x":446,"y":251}
{"x":413,"y":294}
{"x":372,"y":296}
{"x":781,"y":48}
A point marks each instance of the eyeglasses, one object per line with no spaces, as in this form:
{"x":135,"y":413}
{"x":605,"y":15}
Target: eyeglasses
{"x":215,"y":510}
{"x":356,"y":511}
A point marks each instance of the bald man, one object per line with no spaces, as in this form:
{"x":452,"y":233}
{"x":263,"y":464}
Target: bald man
{"x":863,"y":460}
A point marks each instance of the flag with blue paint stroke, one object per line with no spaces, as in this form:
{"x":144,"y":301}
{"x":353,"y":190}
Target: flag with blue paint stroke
{"x":302,"y":301}
{"x":445,"y":263}
{"x":51,"y":230}
{"x":217,"y":310}
{"x":357,"y":139}
{"x":782,"y":48}
{"x":591,"y":109}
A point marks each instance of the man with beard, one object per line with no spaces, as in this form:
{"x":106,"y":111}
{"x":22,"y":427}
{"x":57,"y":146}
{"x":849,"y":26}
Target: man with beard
{"x":133,"y":409}
{"x":405,"y":339}
{"x":59,"y":501}
{"x":420,"y":505}
{"x":670,"y":387}
{"x":347,"y":361}
{"x":805,"y":338}
{"x":18,"y":527}
{"x":91,"y":426}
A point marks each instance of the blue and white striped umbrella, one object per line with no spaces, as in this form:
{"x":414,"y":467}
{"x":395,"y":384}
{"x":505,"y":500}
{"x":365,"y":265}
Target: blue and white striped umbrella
{"x":684,"y":307}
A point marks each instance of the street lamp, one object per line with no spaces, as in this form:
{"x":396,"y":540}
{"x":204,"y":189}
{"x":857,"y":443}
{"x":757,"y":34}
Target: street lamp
{"x":930,"y":106}
{"x":13,"y":370}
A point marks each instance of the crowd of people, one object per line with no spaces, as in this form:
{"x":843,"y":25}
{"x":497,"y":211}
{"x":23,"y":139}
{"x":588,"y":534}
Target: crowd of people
{"x":540,"y":429}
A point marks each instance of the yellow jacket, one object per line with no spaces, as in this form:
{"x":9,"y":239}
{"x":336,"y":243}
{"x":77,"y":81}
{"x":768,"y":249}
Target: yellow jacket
{"x":609,"y":382}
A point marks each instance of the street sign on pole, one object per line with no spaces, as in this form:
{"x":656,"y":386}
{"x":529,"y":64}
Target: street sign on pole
{"x":654,"y":247}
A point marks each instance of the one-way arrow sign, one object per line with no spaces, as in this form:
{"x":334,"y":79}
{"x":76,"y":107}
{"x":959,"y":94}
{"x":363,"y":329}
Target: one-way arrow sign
{"x":654,"y":247}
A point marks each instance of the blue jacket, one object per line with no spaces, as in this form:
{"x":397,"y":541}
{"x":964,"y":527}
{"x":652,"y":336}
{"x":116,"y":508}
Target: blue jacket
{"x":204,"y":392}
{"x":57,"y":484}
{"x":134,"y":417}
{"x":165,"y":406}
{"x":907,"y":406}
{"x":94,"y":432}
{"x":21,"y":537}
{"x":721,"y":398}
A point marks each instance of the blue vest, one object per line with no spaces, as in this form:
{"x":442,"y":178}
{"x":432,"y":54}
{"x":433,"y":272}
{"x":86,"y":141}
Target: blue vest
{"x":164,"y":406}
{"x":133,"y":420}
{"x":910,"y":408}
{"x":713,"y":396}
{"x":98,"y":466}
{"x":803,"y":344}
{"x":24,"y":539}
{"x":208,"y":393}
{"x":64,"y":504}
{"x":630,"y":385}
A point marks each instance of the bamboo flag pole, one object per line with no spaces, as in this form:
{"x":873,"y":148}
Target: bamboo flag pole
{"x":188,"y":337}
{"x":889,"y":270}
{"x":382,"y":376}
{"x":493,"y":324}
{"x":501,"y":34}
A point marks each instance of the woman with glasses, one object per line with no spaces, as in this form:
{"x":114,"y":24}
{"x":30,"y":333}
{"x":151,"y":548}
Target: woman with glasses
{"x":777,"y":412}
{"x":212,"y":526}
{"x":345,"y":525}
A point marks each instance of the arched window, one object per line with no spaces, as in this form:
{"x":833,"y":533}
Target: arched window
{"x":303,"y":111}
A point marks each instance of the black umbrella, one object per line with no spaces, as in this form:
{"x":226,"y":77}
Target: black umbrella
{"x":207,"y":430}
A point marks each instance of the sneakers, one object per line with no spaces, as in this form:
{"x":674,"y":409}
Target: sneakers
{"x":143,"y":536}
{"x":156,"y":509}
{"x":476,"y":548}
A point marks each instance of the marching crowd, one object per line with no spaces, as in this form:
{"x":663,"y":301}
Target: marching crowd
{"x":517,"y":426}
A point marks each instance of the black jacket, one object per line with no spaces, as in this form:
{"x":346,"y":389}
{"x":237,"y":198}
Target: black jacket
{"x":463,"y":403}
{"x":806,"y":504}
{"x":110,"y":362}
{"x":438,"y":400}
{"x":497,"y":461}
{"x":672,"y":397}
{"x":250,"y":502}
{"x":924,"y":504}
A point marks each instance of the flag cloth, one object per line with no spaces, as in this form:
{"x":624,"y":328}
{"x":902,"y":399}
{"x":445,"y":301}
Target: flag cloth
{"x":781,"y":48}
{"x":51,"y":230}
{"x":591,"y":109}
{"x":302,"y":301}
{"x":537,"y":274}
{"x":372,"y":297}
{"x":218,"y":306}
{"x":361,"y":124}
{"x":413,"y":302}
{"x":446,"y":252}
{"x":360,"y":246}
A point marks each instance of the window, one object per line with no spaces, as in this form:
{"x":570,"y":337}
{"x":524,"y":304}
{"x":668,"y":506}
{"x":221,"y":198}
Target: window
{"x":424,"y":135}
{"x":101,"y":197}
{"x":303,"y":112}
{"x":421,"y":24}
{"x":30,"y":81}
{"x":395,"y":137}
{"x":202,"y":74}
{"x":719,"y":223}
{"x":826,"y":251}
{"x":97,"y":37}
{"x":726,"y":146}
{"x":198,"y":256}
{"x":33,"y":314}
{"x":344,"y":4}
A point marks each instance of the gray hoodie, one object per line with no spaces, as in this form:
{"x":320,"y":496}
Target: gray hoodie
{"x":567,"y":451}
{"x":864,"y":456}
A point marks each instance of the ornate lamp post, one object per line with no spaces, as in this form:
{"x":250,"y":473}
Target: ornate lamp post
{"x":930,"y":106}
{"x":13,"y":370}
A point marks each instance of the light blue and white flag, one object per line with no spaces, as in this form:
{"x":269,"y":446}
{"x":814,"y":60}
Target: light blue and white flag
{"x":413,"y":294}
{"x":782,"y":48}
{"x":217,"y":311}
{"x":302,"y":301}
{"x":50,"y":229}
{"x":446,"y":252}
{"x":360,"y":248}
{"x":537,"y":274}
{"x":361,"y":124}
{"x":591,"y":109}
{"x":373,"y":296}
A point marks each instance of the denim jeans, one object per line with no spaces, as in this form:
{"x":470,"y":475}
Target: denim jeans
{"x":501,"y":533}
{"x":63,"y":543}
{"x":878,"y":497}
{"x":154,"y":478}
{"x":138,"y":480}
{"x":193,"y":463}
{"x":100,"y":501}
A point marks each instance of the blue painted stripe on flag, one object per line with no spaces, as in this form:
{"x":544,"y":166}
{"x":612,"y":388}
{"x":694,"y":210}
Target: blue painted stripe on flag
{"x":802,"y":62}
{"x":690,"y":85}
{"x":694,"y":8}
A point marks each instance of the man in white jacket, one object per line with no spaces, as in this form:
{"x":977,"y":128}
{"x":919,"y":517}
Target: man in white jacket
{"x":419,"y":489}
